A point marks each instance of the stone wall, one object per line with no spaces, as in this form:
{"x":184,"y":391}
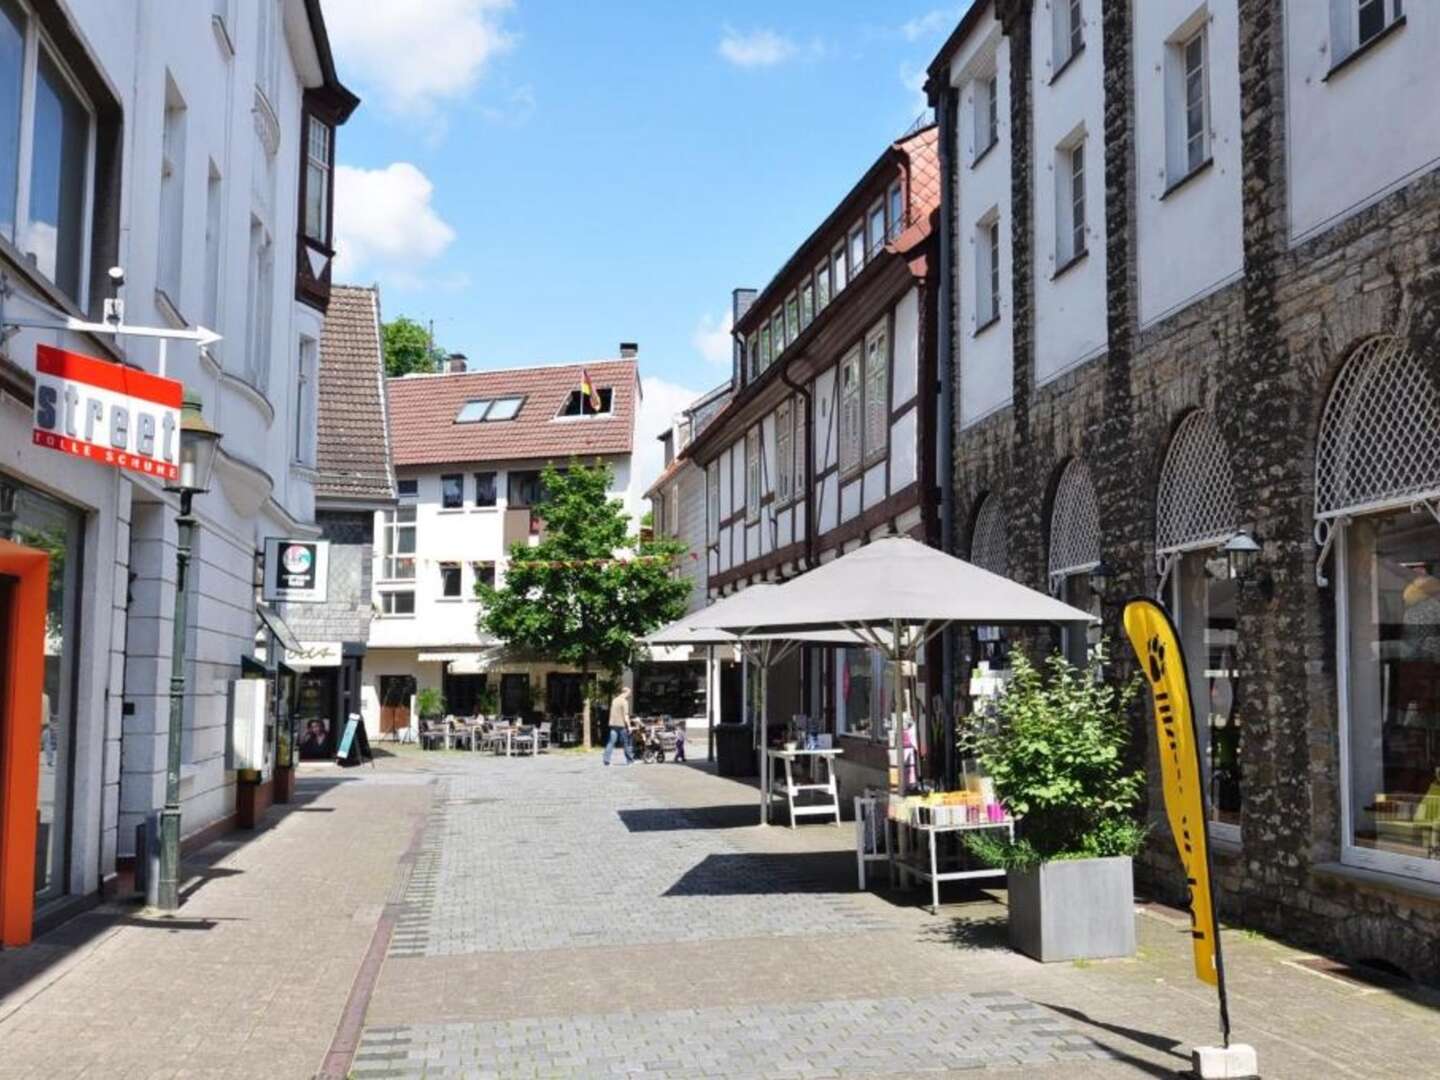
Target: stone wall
{"x":1261,"y":356}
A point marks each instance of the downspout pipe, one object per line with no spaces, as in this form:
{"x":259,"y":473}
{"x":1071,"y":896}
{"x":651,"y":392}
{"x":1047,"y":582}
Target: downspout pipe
{"x":806,"y":674}
{"x":945,"y":422}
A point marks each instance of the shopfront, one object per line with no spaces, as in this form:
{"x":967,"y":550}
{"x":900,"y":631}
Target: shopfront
{"x":40,"y":522}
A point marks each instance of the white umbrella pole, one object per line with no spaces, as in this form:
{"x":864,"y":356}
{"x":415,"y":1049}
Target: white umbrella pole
{"x":764,"y":742}
{"x":899,"y":724}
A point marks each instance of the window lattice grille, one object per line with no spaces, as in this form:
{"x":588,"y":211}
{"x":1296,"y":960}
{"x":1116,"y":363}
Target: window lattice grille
{"x":988,"y":547}
{"x":1379,"y":439}
{"x":1196,"y":502}
{"x":1075,"y":523}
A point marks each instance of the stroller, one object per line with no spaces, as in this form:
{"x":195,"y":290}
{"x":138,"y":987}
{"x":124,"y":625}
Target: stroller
{"x":653,"y":741}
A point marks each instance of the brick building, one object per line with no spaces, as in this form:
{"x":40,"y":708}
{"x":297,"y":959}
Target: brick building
{"x":1190,"y":264}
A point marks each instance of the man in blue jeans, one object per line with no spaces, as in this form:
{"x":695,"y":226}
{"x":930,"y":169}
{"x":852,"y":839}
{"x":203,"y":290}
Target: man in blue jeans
{"x":619,"y":726}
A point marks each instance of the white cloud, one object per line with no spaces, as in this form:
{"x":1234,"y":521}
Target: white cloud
{"x":914,"y":82}
{"x":416,"y":60}
{"x":661,"y":402}
{"x":930,"y":24}
{"x":758,"y":48}
{"x":385,"y":227}
{"x":712,"y":339}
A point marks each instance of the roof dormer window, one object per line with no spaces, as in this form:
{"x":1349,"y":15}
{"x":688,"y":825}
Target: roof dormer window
{"x":578,"y":404}
{"x":484,"y":410}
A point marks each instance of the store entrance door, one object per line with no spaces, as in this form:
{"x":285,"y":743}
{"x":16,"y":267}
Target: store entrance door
{"x":395,"y":694}
{"x":23,"y":576}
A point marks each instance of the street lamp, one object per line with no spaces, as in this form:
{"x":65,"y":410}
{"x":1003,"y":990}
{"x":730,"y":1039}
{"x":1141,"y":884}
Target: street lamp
{"x":198,"y":444}
{"x":1242,"y":553}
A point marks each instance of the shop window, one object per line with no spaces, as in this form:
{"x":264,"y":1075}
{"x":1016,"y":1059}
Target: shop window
{"x":1075,"y":546}
{"x":1377,"y":500}
{"x":856,"y":692}
{"x":32,"y":519}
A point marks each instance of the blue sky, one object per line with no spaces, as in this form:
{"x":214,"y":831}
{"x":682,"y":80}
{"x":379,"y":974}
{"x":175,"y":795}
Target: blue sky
{"x":547,"y":178}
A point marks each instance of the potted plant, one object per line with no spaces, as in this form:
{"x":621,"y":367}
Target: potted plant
{"x":430,"y":703}
{"x":1056,"y":754}
{"x":487,"y":701}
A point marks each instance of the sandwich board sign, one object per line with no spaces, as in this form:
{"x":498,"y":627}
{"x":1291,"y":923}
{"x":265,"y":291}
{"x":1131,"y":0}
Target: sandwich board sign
{"x":107,"y":413}
{"x":296,"y":571}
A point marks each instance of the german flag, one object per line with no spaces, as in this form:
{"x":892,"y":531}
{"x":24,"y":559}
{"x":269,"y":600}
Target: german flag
{"x":588,"y":391}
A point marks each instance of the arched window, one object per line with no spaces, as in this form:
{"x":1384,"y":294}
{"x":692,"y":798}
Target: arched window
{"x":1074,"y":526}
{"x":1377,"y":498}
{"x":1195,"y":512}
{"x":988,"y":547}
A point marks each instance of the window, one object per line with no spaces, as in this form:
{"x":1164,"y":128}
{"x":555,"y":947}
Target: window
{"x":450,"y":580}
{"x":214,"y":224}
{"x":851,"y":395}
{"x":397,"y":545}
{"x":792,"y":318}
{"x":319,"y":164}
{"x":672,"y":504}
{"x":807,"y":304}
{"x":822,"y":286}
{"x":752,"y":475}
{"x":712,"y":502}
{"x":896,"y":201}
{"x":837,"y":260}
{"x":1069,"y":31}
{"x":764,"y":359}
{"x":1187,"y":136}
{"x":800,"y":436}
{"x":484,"y":489}
{"x":856,"y":691}
{"x":45,"y":178}
{"x":875,"y":230}
{"x":484,"y":574}
{"x":784,"y":452}
{"x":578,"y":404}
{"x":877,"y":393}
{"x":1373,"y":16}
{"x":397,"y":602}
{"x":267,"y":52}
{"x":172,"y":195}
{"x":987,"y":272}
{"x":486,"y":409}
{"x":987,"y":113}
{"x":452,"y":491}
{"x":524,"y":489}
{"x":305,"y":402}
{"x":752,"y":351}
{"x":260,"y":300}
{"x":857,"y":249}
{"x":777,"y":333}
{"x":1069,"y":202}
{"x":407,"y":488}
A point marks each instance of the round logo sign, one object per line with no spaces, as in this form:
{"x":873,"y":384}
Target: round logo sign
{"x":297,"y":559}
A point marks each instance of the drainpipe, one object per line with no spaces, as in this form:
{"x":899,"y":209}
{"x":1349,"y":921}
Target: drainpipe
{"x":945,"y":421}
{"x":806,"y":674}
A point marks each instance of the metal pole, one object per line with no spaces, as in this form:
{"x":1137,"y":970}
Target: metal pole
{"x":895,"y":665}
{"x":169,"y":893}
{"x":765,"y":737}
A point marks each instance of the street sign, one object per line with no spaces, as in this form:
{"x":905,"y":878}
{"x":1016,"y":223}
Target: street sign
{"x":107,"y":413}
{"x":296,"y":571}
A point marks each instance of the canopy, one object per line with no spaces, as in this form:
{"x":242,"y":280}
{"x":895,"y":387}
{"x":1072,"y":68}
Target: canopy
{"x":895,"y":580}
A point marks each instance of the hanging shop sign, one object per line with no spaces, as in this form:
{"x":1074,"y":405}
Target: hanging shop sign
{"x":1157,"y":649}
{"x":296,"y":571}
{"x":107,"y":413}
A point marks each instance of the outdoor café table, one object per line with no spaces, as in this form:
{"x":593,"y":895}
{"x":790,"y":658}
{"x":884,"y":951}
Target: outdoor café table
{"x":790,"y":788}
{"x":930,"y":869}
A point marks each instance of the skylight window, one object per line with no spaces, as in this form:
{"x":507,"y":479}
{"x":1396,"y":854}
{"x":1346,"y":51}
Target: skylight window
{"x":578,"y":404}
{"x":487,"y":409}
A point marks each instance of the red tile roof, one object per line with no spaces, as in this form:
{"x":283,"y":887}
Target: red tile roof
{"x":923,"y":150}
{"x":423,"y":409}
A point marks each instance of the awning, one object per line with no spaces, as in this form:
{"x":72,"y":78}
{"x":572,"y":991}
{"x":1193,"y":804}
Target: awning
{"x":271,"y":620}
{"x":443,"y":657}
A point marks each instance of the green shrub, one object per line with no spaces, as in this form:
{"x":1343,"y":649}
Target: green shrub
{"x":1056,"y":753}
{"x":430,"y":702}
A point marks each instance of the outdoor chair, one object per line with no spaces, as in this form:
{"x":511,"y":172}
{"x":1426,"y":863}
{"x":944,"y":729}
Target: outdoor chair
{"x":432,"y":733}
{"x":461,"y":733}
{"x":872,"y":834}
{"x":542,"y":738}
{"x":525,"y":740}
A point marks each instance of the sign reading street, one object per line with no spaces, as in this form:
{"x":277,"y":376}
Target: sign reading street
{"x":107,"y":413}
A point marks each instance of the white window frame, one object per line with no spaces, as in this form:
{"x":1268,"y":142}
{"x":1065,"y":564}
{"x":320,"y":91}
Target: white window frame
{"x":778,"y":341}
{"x":476,"y":575}
{"x":36,"y":39}
{"x":842,"y":271}
{"x":170,"y":255}
{"x":807,"y":303}
{"x":876,"y":416}
{"x":324,"y":164}
{"x":214,"y":244}
{"x":875,"y":234}
{"x":1069,"y":30}
{"x":800,"y":436}
{"x":856,"y":258}
{"x":987,"y":270}
{"x":390,"y":526}
{"x":1070,"y":169}
{"x":823,"y":290}
{"x":1182,"y":159}
{"x":752,"y":476}
{"x":712,"y":502}
{"x":986,"y":96}
{"x":306,"y":371}
{"x":387,"y":600}
{"x":1345,"y":25}
{"x":459,"y":570}
{"x":784,"y":452}
{"x":850,"y":381}
{"x":792,"y":325}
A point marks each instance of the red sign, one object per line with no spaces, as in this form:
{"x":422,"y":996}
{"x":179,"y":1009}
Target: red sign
{"x":107,"y":413}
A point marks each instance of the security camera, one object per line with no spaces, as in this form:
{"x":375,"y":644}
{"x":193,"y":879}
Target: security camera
{"x":117,"y":277}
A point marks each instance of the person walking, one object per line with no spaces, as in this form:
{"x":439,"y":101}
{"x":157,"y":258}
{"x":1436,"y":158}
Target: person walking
{"x":620,"y":726}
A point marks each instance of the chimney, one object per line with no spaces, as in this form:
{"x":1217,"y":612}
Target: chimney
{"x":455,"y":363}
{"x":740,"y":301}
{"x":629,"y":350}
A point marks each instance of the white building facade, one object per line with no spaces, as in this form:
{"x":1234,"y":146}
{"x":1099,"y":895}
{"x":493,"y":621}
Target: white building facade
{"x":192,"y":145}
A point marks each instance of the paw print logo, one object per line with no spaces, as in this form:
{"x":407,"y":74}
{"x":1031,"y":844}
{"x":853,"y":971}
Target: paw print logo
{"x":1156,"y":657}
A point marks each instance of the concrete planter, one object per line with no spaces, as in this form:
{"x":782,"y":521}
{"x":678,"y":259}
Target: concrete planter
{"x":1073,"y":909}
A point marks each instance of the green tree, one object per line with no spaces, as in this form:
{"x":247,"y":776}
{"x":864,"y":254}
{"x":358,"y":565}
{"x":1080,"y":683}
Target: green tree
{"x":590,"y":587}
{"x":409,"y":348}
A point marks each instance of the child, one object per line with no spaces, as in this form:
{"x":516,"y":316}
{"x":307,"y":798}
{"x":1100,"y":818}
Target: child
{"x":680,"y":742}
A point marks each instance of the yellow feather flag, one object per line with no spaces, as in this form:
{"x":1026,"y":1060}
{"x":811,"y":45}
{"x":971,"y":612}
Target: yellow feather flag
{"x":588,"y":391}
{"x":1157,"y":648}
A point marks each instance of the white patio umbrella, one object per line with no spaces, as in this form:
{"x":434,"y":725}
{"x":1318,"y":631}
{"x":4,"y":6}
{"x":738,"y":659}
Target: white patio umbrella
{"x":895,"y":595}
{"x":763,"y":650}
